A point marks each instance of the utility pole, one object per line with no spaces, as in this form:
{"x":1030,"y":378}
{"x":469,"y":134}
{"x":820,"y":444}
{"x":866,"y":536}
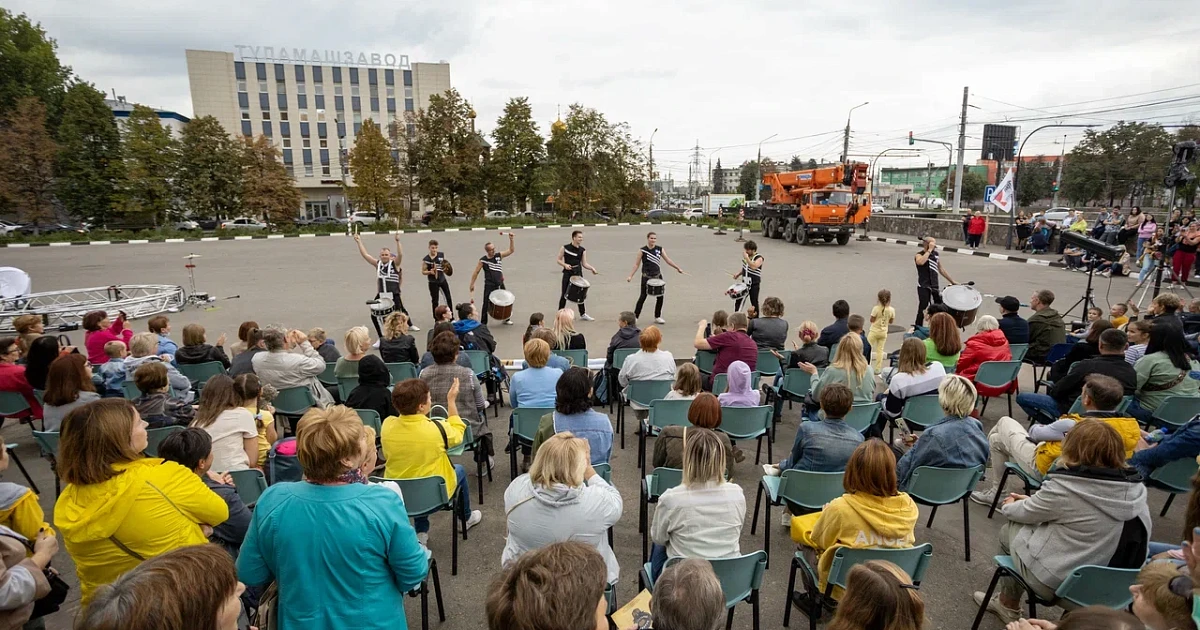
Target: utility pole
{"x":758,"y":164}
{"x":1058,"y":178}
{"x":694,"y":170}
{"x":962,"y":146}
{"x":928,"y":185}
{"x":650,"y":179}
{"x":846,"y":137}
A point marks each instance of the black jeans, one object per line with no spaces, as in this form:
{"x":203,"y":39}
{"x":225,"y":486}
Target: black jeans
{"x":658,"y":300}
{"x":487,"y":303}
{"x":738,"y":303}
{"x":444,"y":287}
{"x":566,"y":284}
{"x":926,"y":296}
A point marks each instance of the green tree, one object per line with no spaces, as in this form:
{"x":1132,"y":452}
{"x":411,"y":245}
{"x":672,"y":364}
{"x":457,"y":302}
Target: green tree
{"x":209,"y":177}
{"x":811,"y":163}
{"x":748,"y":179}
{"x":1125,"y":161}
{"x":575,"y":151}
{"x":375,"y":172}
{"x":267,"y":189}
{"x":516,"y":156}
{"x":622,"y":181}
{"x":449,"y":155}
{"x":972,"y":187}
{"x":151,"y":160}
{"x":29,"y":65}
{"x":90,"y":170}
{"x":796,"y":163}
{"x":27,"y":179}
{"x":718,"y":182}
{"x":404,"y":144}
{"x":1035,"y":182}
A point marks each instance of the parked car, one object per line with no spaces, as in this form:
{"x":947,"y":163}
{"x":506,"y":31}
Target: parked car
{"x":322,"y":221}
{"x":457,"y":216}
{"x":209,"y":224}
{"x":658,"y":214}
{"x":498,"y":214}
{"x":8,"y":227}
{"x":693,"y":213}
{"x":362,"y":218}
{"x":186,"y":225}
{"x":51,"y":228}
{"x":1053,"y":215}
{"x":243,"y":223}
{"x":878,"y":208}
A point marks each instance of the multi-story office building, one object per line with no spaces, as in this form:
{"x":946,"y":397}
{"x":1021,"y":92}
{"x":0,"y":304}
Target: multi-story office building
{"x":726,"y":180}
{"x":311,"y":104}
{"x":173,"y":121}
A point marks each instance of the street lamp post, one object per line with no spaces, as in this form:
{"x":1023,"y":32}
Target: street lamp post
{"x":846,"y":139}
{"x":1012,"y":212}
{"x":650,"y":179}
{"x":758,"y":166}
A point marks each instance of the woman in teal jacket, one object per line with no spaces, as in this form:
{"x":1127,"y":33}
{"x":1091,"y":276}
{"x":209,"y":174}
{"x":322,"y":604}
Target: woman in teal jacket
{"x":341,"y":551}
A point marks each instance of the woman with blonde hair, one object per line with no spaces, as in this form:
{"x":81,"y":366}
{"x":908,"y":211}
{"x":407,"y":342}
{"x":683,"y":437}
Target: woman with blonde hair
{"x":944,"y":343}
{"x":955,"y":441}
{"x":358,"y":343}
{"x":701,"y":517}
{"x":879,"y":596}
{"x":565,"y":335}
{"x":119,"y":507}
{"x":688,"y":383}
{"x":396,"y":345}
{"x":913,"y":377}
{"x":359,"y":581}
{"x":987,"y":344}
{"x":232,"y":427}
{"x":850,"y":368}
{"x":561,"y":498}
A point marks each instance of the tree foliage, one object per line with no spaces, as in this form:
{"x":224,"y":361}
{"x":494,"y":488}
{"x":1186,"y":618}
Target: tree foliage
{"x":267,"y":189}
{"x":449,"y":155}
{"x":89,"y":169}
{"x":516,"y":156}
{"x":375,"y":172}
{"x":27,"y":179}
{"x":29,"y":66}
{"x":593,"y":164}
{"x":151,"y":159}
{"x":748,"y":179}
{"x":1035,"y":181}
{"x":209,"y":178}
{"x":1124,"y":162}
{"x":973,"y":185}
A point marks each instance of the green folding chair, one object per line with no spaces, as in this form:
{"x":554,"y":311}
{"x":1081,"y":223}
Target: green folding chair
{"x":401,"y":371}
{"x":934,"y":486}
{"x":250,"y":485}
{"x":1175,"y":477}
{"x":578,"y":358}
{"x":997,"y":374}
{"x":154,"y":437}
{"x":1088,"y":585}
{"x":663,"y":413}
{"x":920,"y":412}
{"x":642,"y":393}
{"x":371,"y":418}
{"x":48,"y":442}
{"x":863,"y":416}
{"x":424,"y":496}
{"x":740,"y":577}
{"x":913,"y":560}
{"x":199,"y":373}
{"x":12,"y":403}
{"x":795,"y":386}
{"x":481,"y":362}
{"x":346,"y":384}
{"x":525,"y":422}
{"x":1176,"y":411}
{"x":129,"y":388}
{"x":605,"y":471}
{"x":721,"y":382}
{"x":1031,"y":481}
{"x":327,"y":377}
{"x":802,"y":491}
{"x":1018,"y":350}
{"x":619,"y":356}
{"x":705,"y":360}
{"x":748,"y":423}
{"x":768,"y":364}
{"x":293,"y":403}
{"x":653,"y":485}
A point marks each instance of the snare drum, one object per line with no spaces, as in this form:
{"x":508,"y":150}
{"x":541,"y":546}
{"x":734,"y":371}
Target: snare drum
{"x":738,"y":290}
{"x":382,"y":307}
{"x":656,"y":287}
{"x":578,"y":290}
{"x":964,"y":301}
{"x":501,"y":304}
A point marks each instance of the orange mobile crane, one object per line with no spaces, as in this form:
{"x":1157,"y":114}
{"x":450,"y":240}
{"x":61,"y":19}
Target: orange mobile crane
{"x":824,"y":202}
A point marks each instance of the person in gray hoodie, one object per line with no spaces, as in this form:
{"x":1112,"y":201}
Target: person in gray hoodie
{"x":561,"y":498}
{"x":1091,"y":509}
{"x":141,"y":351}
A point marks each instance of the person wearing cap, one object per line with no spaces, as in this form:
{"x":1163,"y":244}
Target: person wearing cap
{"x":1014,"y":327}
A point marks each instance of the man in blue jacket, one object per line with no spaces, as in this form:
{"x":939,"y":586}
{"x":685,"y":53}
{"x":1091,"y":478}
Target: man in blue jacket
{"x":1181,"y":443}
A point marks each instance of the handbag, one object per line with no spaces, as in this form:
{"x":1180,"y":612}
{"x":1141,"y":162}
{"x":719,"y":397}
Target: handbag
{"x":52,"y":601}
{"x":266,"y":616}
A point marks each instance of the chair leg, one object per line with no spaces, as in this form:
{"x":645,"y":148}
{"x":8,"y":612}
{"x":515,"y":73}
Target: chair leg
{"x":787,"y":595}
{"x":999,"y":491}
{"x":514,"y":445}
{"x":767,"y":535}
{"x":1010,"y":404}
{"x":479,"y":476}
{"x":987,"y":596}
{"x":729,"y":618}
{"x":754,"y":607}
{"x":932,"y":513}
{"x":1166,"y":506}
{"x":983,"y":409}
{"x":757,"y":504}
{"x":966,"y":527}
{"x":437,"y":590}
{"x":642,"y":510}
{"x":770,"y":454}
{"x":17,"y":460}
{"x":758,"y":450}
{"x":621,"y":424}
{"x":425,"y":605}
{"x":454,"y":541}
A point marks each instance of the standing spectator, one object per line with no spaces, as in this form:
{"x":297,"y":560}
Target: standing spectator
{"x":156,"y":406}
{"x":119,"y":508}
{"x":161,"y":326}
{"x":112,"y":373}
{"x":560,"y":586}
{"x":193,"y":449}
{"x":882,"y":315}
{"x":196,"y":349}
{"x":944,"y":343}
{"x":1163,"y":372}
{"x":1014,"y":327}
{"x":69,"y":387}
{"x":534,"y":386}
{"x":647,"y":364}
{"x":101,"y":331}
{"x":957,"y":441}
{"x":1046,"y":326}
{"x":243,"y":362}
{"x":688,"y":383}
{"x":881,"y":595}
{"x":561,"y":498}
{"x":361,"y":580}
{"x":141,"y":352}
{"x":396,"y":345}
{"x":987,"y":344}
{"x":243,"y":340}
{"x":913,"y":377}
{"x":966,"y":228}
{"x":771,"y":329}
{"x":282,"y":369}
{"x":1146,"y":233}
{"x":374,"y":389}
{"x":358,"y":343}
{"x":688,"y":596}
{"x":565,"y":335}
{"x":231,"y":426}
{"x":703,"y":413}
{"x":834,"y":332}
{"x":472,"y":405}
{"x":325,"y":346}
{"x":573,"y":413}
{"x":731,"y":345}
{"x":1185,"y":254}
{"x":13,"y":377}
{"x":627,"y":336}
{"x":975,"y":230}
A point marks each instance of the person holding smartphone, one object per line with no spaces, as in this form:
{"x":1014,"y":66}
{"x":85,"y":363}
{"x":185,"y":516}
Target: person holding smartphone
{"x":101,"y":331}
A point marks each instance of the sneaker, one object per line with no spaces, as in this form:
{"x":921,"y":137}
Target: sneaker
{"x":414,"y":328}
{"x":771,"y":470}
{"x":1006,"y":615}
{"x":739,"y":455}
{"x":659,"y":320}
{"x":423,"y":538}
{"x":809,"y":605}
{"x":508,"y":322}
{"x":785,"y":519}
{"x":984,"y":497}
{"x":587,"y":318}
{"x":476,"y":516}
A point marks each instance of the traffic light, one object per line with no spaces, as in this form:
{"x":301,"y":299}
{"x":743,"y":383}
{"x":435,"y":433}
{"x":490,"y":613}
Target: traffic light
{"x":910,"y":139}
{"x":1054,"y":186}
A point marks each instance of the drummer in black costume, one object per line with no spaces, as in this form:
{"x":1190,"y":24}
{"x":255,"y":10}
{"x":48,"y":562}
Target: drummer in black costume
{"x":752,"y":263}
{"x":929,"y":266}
{"x":650,"y":259}
{"x":492,"y":266}
{"x":434,"y":265}
{"x":573,"y":259}
{"x":387,"y":275}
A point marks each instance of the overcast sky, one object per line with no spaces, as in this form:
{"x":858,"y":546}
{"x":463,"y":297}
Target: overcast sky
{"x":722,"y":74}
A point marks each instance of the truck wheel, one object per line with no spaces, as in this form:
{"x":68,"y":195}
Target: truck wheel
{"x":843,"y":238}
{"x":802,"y":235}
{"x":766,"y":228}
{"x":789,"y":232}
{"x":828,"y":238}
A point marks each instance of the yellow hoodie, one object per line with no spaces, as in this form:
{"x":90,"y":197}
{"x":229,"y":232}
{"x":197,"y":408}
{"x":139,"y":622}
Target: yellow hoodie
{"x":856,"y":520}
{"x":414,"y":448}
{"x":1048,"y":452}
{"x":150,"y":506}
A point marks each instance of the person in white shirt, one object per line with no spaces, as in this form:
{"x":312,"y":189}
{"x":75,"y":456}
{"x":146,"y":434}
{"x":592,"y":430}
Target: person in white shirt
{"x":913,"y":377}
{"x":230,"y":425}
{"x":647,"y":364}
{"x":688,"y":383}
{"x":702,"y":517}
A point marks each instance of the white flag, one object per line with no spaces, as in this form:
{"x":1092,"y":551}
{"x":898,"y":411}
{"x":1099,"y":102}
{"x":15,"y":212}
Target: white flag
{"x":1005,"y":195}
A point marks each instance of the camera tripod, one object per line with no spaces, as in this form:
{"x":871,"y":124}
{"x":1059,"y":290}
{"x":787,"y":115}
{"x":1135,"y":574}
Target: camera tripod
{"x":1087,"y":301}
{"x":1159,"y":267}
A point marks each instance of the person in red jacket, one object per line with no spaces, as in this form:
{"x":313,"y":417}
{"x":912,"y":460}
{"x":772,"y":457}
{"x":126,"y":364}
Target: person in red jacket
{"x":12,"y":376}
{"x":987,"y":344}
{"x":100,"y":332}
{"x":975,"y":229}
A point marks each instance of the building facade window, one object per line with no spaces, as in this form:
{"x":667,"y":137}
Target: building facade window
{"x":320,"y":115}
{"x":354,"y":90}
{"x":318,"y":73}
{"x":245,"y":114}
{"x":283,"y":115}
{"x":337,"y":74}
{"x":262,"y":86}
{"x":280,"y":87}
{"x":299,"y":73}
{"x":324,"y":143}
{"x":239,"y":70}
{"x":287,"y":143}
{"x":300,"y":89}
{"x":308,"y":170}
{"x":391,"y":92}
{"x":278,"y":72}
{"x":357,"y":117}
{"x":408,"y":92}
{"x":306,"y":143}
{"x":319,"y":89}
{"x":337,"y":90}
{"x":325,"y":170}
{"x":303,"y":116}
{"x":266,"y":114}
{"x":241,"y":85}
{"x":354,"y":75}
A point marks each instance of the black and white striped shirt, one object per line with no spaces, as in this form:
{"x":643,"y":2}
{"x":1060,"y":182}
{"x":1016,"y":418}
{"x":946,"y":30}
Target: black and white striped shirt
{"x":493,"y":269}
{"x":927,"y":274}
{"x":750,"y":274}
{"x":388,"y":276}
{"x":652,"y":261}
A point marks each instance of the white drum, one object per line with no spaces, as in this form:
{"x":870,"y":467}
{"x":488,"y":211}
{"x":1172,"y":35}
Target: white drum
{"x":738,"y":290}
{"x":964,"y":302}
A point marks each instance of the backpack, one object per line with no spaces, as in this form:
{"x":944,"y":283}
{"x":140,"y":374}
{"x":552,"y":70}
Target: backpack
{"x":282,"y":463}
{"x":600,"y":388}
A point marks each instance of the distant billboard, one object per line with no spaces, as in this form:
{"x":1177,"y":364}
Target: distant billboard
{"x":999,"y":143}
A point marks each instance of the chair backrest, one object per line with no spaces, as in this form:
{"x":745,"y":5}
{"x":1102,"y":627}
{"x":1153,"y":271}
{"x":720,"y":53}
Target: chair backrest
{"x":742,"y":423}
{"x":997,"y":373}
{"x":12,"y":403}
{"x":1177,"y":410}
{"x":578,"y":358}
{"x":833,"y":351}
{"x":250,"y":484}
{"x":923,"y":410}
{"x":154,"y":437}
{"x":646,"y":392}
{"x":402,"y":371}
{"x":526,"y":419}
{"x":943,"y":485}
{"x":914,"y":561}
{"x":199,"y":373}
{"x":619,"y":356}
{"x":604,"y":470}
{"x":130,"y":389}
{"x":480,"y":361}
{"x":796,"y":382}
{"x":721,"y":381}
{"x":863,"y":415}
{"x":327,"y":377}
{"x":346,"y":384}
{"x":423,"y":495}
{"x":1176,"y":474}
{"x":293,"y":401}
{"x":371,"y":418}
{"x":47,"y":441}
{"x":1077,"y":406}
{"x":740,"y":576}
{"x":1058,"y":351}
{"x":669,"y":413}
{"x":705,"y":359}
{"x":1018,"y":350}
{"x":810,"y":489}
{"x":768,"y":364}
{"x":1092,"y":585}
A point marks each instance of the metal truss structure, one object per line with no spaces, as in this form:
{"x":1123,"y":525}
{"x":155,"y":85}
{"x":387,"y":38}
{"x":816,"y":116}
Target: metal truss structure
{"x":64,"y":310}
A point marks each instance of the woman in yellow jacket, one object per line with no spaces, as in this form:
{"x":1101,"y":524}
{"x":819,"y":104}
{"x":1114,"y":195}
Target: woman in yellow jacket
{"x":872,"y":513}
{"x":120,"y":507}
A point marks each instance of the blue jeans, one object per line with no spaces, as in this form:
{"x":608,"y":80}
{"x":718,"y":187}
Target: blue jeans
{"x":1139,"y":413}
{"x":1156,"y":548}
{"x":1141,"y":246}
{"x":1147,"y":265}
{"x":421,"y":523}
{"x":1038,"y":406}
{"x":658,"y":557}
